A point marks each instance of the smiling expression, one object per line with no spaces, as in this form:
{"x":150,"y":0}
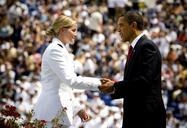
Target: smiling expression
{"x":125,"y":30}
{"x":69,"y":34}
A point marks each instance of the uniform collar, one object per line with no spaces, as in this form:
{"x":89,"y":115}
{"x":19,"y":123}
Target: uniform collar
{"x":57,"y":41}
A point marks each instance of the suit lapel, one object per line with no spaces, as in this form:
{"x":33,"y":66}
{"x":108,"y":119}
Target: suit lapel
{"x":128,"y":66}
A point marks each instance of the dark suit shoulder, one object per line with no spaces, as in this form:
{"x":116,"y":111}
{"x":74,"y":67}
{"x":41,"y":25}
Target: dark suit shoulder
{"x":143,"y":42}
{"x":147,"y":43}
{"x":148,"y":46}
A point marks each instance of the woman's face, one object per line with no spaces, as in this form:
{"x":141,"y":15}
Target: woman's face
{"x":69,"y":34}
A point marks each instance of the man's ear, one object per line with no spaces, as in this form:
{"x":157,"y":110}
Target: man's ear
{"x":134,"y":25}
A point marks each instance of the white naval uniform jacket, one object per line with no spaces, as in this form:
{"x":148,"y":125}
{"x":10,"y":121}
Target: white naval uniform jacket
{"x":58,"y":79}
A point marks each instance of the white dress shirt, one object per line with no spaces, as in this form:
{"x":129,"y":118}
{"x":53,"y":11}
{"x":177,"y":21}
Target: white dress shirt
{"x":134,"y":42}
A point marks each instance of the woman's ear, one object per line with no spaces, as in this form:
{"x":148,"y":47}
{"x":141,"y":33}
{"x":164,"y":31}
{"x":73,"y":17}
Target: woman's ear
{"x":64,"y":30}
{"x":61,"y":29}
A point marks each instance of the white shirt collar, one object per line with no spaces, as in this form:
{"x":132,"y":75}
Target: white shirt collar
{"x":134,"y":42}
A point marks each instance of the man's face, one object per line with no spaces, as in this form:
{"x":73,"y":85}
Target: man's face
{"x":124,"y":29}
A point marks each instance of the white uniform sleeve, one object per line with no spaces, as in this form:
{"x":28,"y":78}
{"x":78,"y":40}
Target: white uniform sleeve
{"x":59,"y":64}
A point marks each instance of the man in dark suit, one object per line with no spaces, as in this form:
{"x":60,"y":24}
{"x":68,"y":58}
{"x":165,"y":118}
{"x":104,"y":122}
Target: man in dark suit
{"x":141,"y":85}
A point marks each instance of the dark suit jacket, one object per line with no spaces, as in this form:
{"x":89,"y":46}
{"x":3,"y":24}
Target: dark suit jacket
{"x":141,"y":88}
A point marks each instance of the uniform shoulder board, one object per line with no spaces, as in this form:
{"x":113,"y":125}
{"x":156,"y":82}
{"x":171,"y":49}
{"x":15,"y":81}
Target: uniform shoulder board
{"x":60,"y":45}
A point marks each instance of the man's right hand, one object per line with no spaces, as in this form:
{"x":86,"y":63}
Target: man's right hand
{"x":107,"y":85}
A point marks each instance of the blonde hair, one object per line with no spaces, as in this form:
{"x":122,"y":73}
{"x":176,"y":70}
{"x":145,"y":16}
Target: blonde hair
{"x":61,"y":22}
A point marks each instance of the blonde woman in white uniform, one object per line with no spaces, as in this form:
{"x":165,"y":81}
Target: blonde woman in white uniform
{"x":58,"y":77}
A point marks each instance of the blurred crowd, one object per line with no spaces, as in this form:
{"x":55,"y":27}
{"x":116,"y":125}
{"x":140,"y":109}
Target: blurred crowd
{"x":98,"y":51}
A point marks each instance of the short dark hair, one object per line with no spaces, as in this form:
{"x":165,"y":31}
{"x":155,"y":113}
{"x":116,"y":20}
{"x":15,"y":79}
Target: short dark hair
{"x":134,"y":16}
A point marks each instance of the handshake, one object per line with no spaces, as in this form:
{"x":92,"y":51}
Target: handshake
{"x":107,"y":86}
